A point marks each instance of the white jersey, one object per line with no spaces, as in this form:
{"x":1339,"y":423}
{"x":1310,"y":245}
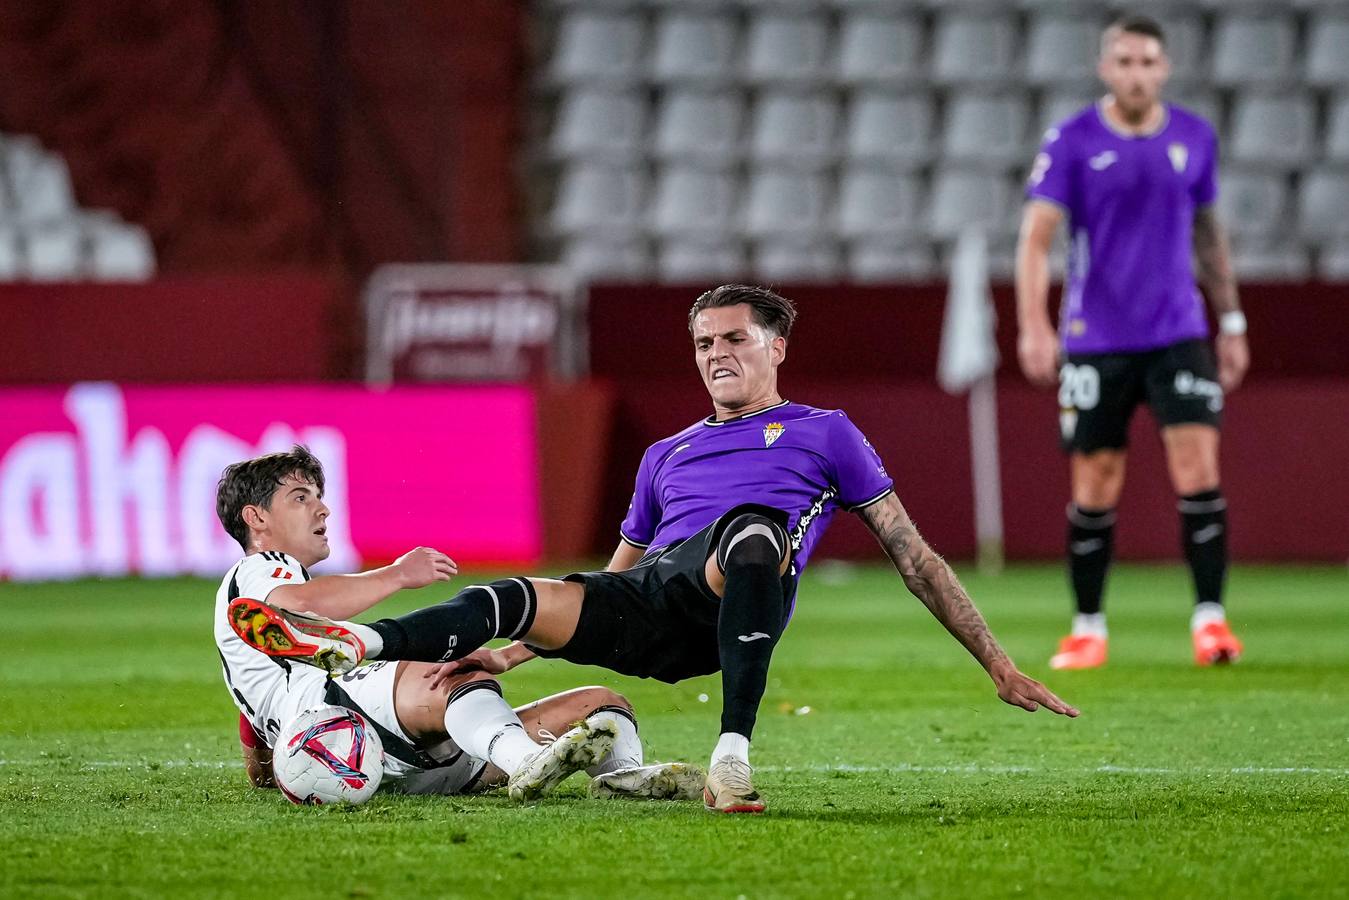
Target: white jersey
{"x":270,"y":692}
{"x":256,"y":681}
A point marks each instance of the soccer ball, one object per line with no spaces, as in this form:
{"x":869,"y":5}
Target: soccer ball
{"x":328,"y":755}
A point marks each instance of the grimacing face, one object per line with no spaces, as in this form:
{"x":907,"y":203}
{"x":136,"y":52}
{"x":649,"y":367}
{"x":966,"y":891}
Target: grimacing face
{"x":737,"y":357}
{"x":1134,"y":67}
{"x":295,"y":523}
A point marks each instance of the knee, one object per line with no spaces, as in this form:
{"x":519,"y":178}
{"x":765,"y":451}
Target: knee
{"x":753,"y":539}
{"x":596,"y":697}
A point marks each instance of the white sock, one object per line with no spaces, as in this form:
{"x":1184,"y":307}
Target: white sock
{"x":370,"y":637}
{"x":1206,"y":614}
{"x":732,"y":744}
{"x":627,"y":751}
{"x":484,"y":726}
{"x":1090,"y":624}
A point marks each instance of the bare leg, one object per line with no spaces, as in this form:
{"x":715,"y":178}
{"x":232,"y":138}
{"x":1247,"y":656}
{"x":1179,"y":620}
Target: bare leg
{"x":1191,"y":458}
{"x":556,"y":715}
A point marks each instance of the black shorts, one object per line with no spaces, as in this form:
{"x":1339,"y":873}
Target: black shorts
{"x":1098,"y":393}
{"x":659,"y":618}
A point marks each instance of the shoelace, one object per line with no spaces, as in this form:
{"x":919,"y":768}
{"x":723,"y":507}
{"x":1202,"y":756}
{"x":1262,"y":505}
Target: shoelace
{"x":546,"y":736}
{"x":734,"y":774}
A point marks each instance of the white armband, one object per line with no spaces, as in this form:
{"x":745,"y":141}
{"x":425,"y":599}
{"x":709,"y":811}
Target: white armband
{"x":1233,"y":322}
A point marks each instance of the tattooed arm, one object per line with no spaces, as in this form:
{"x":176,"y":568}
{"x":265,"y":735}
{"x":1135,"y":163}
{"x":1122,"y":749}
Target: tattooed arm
{"x":930,"y":579}
{"x":1213,"y":260}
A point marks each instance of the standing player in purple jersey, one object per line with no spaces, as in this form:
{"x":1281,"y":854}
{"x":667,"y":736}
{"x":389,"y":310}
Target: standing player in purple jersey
{"x":722,"y":524}
{"x":1136,"y":179}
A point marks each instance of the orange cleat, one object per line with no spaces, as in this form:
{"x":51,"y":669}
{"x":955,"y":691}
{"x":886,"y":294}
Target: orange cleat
{"x":1080,"y":651}
{"x":300,"y":637}
{"x":1215,"y":644}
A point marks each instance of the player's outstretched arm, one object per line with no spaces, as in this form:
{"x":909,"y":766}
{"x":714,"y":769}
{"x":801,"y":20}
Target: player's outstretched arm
{"x":931,"y":580}
{"x":625,"y":557}
{"x":257,"y":756}
{"x":1213,"y":258}
{"x":346,"y":596}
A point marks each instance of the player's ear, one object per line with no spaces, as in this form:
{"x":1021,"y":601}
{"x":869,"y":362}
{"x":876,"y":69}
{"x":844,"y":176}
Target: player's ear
{"x":778,"y":350}
{"x":255,"y":517}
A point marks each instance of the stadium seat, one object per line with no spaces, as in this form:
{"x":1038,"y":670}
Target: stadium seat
{"x":600,"y":125}
{"x":691,"y":201}
{"x":1333,"y":262}
{"x":894,"y":129}
{"x":874,"y":203}
{"x":1273,"y":129}
{"x":883,"y":261}
{"x":786,"y":203}
{"x":54,"y":252}
{"x":794,"y":128}
{"x":961,"y":198}
{"x":1337,"y":130}
{"x":879,"y":48}
{"x":120,"y":252}
{"x":694,"y":46}
{"x":1184,"y":33}
{"x":1253,"y":203}
{"x":598,"y":198}
{"x":694,"y":260}
{"x":1254,"y":49}
{"x":597,"y":46}
{"x":1269,"y":259}
{"x":699,"y":126}
{"x":1059,"y":106}
{"x":816,"y":260}
{"x":11,"y":262}
{"x":1328,"y":50}
{"x":985,"y":129}
{"x":41,"y":184}
{"x":973,"y":47}
{"x":598,"y":259}
{"x":1063,"y":48}
{"x":1323,"y":200}
{"x":784,"y":48}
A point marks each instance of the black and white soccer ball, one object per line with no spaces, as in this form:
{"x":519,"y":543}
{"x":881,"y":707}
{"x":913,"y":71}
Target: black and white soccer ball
{"x":328,"y":755}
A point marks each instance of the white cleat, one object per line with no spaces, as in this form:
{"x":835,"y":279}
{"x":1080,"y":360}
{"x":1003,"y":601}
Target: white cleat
{"x":728,"y":788}
{"x":662,"y":781}
{"x":582,"y":747}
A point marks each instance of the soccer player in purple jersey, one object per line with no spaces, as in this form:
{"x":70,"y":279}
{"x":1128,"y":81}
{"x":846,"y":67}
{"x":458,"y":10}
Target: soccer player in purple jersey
{"x":1136,"y":179}
{"x":722,"y":523}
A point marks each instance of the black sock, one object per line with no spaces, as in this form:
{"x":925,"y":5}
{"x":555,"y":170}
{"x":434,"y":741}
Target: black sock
{"x":748,"y":628}
{"x":1203,"y":526}
{"x":1091,"y":541}
{"x":462,"y":624}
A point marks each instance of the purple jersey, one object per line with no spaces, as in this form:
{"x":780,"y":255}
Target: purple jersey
{"x":804,"y":461}
{"x":1130,"y":201}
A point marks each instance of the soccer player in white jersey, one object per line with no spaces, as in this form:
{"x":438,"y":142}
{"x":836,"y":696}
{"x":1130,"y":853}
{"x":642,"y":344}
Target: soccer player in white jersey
{"x":451,"y":736}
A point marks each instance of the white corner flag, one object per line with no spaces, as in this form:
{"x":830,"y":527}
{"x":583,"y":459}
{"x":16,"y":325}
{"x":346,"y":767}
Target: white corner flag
{"x":968,"y":361}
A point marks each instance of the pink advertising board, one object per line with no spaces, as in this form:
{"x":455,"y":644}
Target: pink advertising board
{"x":98,"y":479}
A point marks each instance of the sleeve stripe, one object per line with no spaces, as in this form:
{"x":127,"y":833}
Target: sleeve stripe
{"x":876,"y":499}
{"x":637,"y":544}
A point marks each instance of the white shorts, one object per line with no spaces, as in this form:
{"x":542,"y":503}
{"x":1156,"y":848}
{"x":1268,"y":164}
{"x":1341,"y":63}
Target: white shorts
{"x":369,"y":690}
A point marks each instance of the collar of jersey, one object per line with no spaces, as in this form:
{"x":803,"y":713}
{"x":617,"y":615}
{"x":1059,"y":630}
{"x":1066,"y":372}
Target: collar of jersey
{"x":1119,"y":132}
{"x":712,"y":422}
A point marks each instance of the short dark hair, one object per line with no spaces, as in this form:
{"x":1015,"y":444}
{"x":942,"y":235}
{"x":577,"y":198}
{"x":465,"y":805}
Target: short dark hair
{"x":1131,"y":24}
{"x":253,"y":481}
{"x":772,"y":311}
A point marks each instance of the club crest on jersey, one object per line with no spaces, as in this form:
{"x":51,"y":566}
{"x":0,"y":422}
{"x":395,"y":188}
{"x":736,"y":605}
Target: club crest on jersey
{"x":771,"y":432}
{"x":1179,"y":154}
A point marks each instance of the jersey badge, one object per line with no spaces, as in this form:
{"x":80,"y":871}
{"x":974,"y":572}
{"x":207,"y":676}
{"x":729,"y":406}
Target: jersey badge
{"x":1179,"y":154}
{"x":771,"y":432}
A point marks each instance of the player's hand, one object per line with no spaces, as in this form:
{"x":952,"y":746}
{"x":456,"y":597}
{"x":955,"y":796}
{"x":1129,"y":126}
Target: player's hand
{"x":494,"y":662}
{"x":1018,"y":689}
{"x":423,"y":566}
{"x":1234,"y":358}
{"x":1037,"y":349}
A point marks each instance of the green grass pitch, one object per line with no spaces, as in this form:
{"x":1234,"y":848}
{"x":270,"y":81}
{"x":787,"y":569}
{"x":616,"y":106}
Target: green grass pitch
{"x":119,"y":769}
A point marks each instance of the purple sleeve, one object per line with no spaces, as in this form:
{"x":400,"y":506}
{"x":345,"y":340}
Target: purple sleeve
{"x":858,"y":471}
{"x":639,"y":525}
{"x":1204,"y":191}
{"x":1050,"y":174}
